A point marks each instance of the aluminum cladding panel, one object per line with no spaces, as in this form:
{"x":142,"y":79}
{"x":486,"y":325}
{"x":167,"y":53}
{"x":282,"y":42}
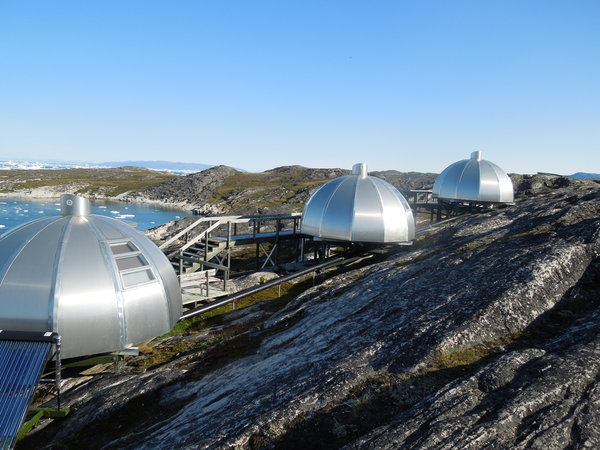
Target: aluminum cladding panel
{"x":474,"y":180}
{"x":28,"y":259}
{"x":168,"y":285}
{"x":317,"y":203}
{"x":87,"y":309}
{"x":358,"y":208}
{"x":96,"y":281}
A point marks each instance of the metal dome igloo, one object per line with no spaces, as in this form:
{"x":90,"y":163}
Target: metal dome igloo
{"x":96,"y":281}
{"x":474,"y":180}
{"x":359,"y":208}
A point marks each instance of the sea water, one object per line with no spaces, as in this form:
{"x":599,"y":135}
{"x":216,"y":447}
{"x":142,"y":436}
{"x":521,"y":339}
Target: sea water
{"x":14,"y":212}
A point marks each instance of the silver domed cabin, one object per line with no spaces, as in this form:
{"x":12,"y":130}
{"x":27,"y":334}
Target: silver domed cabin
{"x":96,"y":281}
{"x":474,"y":180}
{"x":359,"y":208}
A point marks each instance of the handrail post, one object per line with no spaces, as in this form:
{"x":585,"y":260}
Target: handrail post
{"x":226,"y":274}
{"x":275,"y":256}
{"x":254,"y":237}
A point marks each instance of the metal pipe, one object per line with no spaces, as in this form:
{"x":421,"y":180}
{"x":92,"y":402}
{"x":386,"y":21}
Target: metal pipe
{"x":255,"y":289}
{"x":57,"y":380}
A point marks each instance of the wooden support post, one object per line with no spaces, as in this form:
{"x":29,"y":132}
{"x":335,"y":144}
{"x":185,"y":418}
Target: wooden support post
{"x":254,"y":230}
{"x":206,"y":243}
{"x":275,"y":256}
{"x":207,"y":285}
{"x":226,"y":274}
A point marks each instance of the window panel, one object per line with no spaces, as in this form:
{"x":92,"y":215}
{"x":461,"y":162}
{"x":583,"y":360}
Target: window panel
{"x":134,"y":278}
{"x":131,"y":262}
{"x":125,"y":247}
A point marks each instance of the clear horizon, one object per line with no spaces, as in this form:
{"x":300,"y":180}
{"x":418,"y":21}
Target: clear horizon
{"x":409,"y":86}
{"x":92,"y":163}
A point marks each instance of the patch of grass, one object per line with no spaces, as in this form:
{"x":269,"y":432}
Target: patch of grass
{"x":447,"y":359}
{"x":382,"y":397}
{"x":475,"y":245}
{"x":533,"y":232}
{"x":285,"y":293}
{"x":182,"y":327}
{"x":461,"y":357}
{"x":288,"y":185}
{"x":162,"y":353}
{"x":105,"y":182}
{"x":156,"y":356}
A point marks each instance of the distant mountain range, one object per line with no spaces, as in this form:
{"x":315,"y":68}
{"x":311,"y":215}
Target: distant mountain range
{"x":44,"y":165}
{"x":585,"y":175}
{"x":180,"y":168}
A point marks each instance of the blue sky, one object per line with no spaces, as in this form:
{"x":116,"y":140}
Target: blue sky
{"x":258,"y":84}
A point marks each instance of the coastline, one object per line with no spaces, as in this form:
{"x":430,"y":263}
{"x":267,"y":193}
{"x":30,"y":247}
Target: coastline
{"x":54,"y":193}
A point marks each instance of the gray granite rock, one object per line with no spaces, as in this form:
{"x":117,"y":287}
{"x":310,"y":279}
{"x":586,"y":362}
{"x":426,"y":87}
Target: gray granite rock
{"x":485,"y":334}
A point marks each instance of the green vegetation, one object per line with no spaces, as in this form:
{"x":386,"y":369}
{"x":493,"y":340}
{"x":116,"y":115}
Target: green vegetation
{"x":473,"y":245}
{"x":196,"y":326}
{"x":533,"y":232}
{"x":448,"y":359}
{"x":198,"y":322}
{"x":478,"y":243}
{"x":281,"y":186}
{"x":104,"y":182}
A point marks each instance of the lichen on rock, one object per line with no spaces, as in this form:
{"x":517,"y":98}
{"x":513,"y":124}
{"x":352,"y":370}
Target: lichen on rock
{"x":486,"y":335}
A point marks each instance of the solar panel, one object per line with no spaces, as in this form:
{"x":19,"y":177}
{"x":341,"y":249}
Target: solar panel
{"x":23,"y":356}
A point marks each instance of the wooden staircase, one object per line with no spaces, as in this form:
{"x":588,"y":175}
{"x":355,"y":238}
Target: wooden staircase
{"x":198,"y":251}
{"x":202,"y":261}
{"x":192,"y":259}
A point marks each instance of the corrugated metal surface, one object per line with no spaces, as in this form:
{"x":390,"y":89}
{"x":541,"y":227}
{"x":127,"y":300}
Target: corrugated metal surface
{"x":474,"y":180}
{"x":21,"y":365}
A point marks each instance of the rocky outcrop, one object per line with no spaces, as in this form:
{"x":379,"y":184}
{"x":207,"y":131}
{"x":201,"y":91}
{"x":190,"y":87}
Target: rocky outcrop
{"x":110,"y":183}
{"x":223,"y":190}
{"x":407,"y":180}
{"x":307,"y":174}
{"x":485,"y":334}
{"x":527,"y":185}
{"x":193,"y":189}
